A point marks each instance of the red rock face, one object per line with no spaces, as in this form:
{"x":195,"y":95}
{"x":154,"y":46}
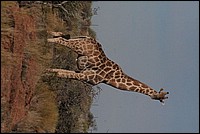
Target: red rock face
{"x":18,"y":79}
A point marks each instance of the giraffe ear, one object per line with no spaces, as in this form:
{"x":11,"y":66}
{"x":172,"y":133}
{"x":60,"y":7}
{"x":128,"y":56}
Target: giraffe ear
{"x":161,"y":90}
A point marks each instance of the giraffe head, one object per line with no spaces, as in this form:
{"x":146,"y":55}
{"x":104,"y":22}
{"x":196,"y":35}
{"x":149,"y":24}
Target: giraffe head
{"x":160,"y":96}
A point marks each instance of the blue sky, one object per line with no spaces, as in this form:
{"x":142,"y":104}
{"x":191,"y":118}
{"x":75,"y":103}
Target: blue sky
{"x":158,"y":44}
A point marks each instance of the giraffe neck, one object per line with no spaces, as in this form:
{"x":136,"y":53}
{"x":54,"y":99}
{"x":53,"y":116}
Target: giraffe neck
{"x":127,"y":83}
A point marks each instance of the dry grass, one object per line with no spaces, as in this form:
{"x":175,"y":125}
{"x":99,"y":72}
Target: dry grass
{"x":47,"y":107}
{"x":43,"y":113}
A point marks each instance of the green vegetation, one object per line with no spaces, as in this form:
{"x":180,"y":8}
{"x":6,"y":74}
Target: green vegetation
{"x":57,"y":105}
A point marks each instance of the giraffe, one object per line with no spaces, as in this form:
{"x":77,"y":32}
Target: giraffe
{"x":95,"y":67}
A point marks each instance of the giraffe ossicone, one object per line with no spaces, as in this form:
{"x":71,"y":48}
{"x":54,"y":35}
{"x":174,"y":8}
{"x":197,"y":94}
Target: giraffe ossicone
{"x":95,"y":67}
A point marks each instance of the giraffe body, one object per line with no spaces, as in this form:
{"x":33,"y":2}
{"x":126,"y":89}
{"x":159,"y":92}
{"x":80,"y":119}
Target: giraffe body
{"x":96,"y":68}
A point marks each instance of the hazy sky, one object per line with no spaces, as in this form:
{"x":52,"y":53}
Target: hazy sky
{"x":158,"y":44}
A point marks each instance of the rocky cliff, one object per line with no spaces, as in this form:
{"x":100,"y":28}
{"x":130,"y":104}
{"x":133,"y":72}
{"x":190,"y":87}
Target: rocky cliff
{"x":29,"y":102}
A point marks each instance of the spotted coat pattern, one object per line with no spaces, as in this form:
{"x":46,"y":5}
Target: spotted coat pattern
{"x":95,"y":67}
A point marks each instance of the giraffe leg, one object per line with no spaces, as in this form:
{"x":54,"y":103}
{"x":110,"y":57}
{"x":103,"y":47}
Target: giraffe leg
{"x":55,"y":33}
{"x":66,"y":74}
{"x":82,"y":45}
{"x":60,"y":34}
{"x":82,"y":76}
{"x":54,"y":40}
{"x":78,"y":45}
